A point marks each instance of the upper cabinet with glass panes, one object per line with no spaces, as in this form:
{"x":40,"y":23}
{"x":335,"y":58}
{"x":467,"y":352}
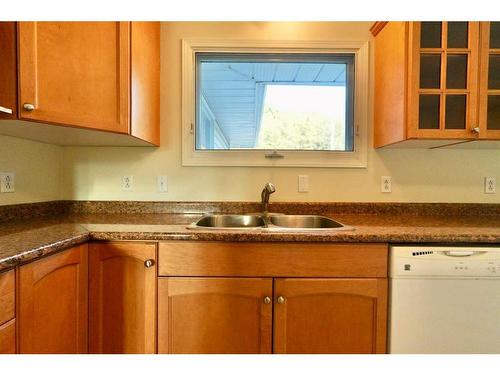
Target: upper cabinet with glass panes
{"x":489,"y":94}
{"x":435,"y":83}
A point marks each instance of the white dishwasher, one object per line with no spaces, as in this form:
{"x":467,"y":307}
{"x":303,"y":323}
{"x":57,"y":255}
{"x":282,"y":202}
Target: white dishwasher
{"x":444,"y":300}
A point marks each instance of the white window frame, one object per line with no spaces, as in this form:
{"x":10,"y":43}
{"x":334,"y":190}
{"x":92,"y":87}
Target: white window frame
{"x":257,"y":158}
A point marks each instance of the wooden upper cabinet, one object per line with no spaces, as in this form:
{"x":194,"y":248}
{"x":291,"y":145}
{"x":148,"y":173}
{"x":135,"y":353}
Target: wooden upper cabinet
{"x":8,"y":70}
{"x":122,"y":304}
{"x":75,"y":73}
{"x":330,"y":316}
{"x":52,"y":314}
{"x":426,"y":83}
{"x":214,"y":315}
{"x":489,"y":94}
{"x":86,"y":75}
{"x":443,"y":82}
{"x":145,"y":81}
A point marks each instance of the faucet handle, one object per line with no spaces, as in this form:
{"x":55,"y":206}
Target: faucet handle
{"x":270,"y":187}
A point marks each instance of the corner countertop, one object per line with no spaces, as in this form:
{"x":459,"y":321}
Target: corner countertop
{"x":27,"y":240}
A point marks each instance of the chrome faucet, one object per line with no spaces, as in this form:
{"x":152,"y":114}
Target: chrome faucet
{"x":266,"y":192}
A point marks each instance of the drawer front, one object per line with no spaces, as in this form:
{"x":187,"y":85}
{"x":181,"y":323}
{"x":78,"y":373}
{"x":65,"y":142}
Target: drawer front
{"x":183,"y":258}
{"x":7,"y":296}
{"x":8,"y":337}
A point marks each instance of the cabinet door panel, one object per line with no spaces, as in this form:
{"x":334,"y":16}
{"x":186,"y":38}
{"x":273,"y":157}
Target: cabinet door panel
{"x":53,"y":304}
{"x":330,"y":316}
{"x":7,"y":296}
{"x":214,"y":315}
{"x":75,"y":73}
{"x":122,"y":298}
{"x":8,"y":337}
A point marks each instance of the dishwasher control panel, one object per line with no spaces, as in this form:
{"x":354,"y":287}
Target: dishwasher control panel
{"x":435,"y":261}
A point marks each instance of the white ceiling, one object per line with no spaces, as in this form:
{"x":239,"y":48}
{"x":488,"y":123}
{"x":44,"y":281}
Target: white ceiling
{"x":234,"y":91}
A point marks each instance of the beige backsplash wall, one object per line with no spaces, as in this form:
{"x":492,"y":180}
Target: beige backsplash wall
{"x":418,"y":175}
{"x":37,"y":168}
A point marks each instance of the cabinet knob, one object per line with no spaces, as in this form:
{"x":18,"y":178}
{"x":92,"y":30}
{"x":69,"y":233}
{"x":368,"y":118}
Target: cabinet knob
{"x":267,"y":300}
{"x":281,"y":300}
{"x":149,"y":263}
{"x":28,"y":107}
{"x":476,"y":130}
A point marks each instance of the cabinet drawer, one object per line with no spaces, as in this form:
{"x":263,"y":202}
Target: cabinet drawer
{"x":272,"y":259}
{"x":7,"y":296}
{"x":8,"y":337}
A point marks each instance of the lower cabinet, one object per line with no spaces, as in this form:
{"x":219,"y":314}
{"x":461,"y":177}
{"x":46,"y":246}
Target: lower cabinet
{"x":122,"y":291}
{"x":234,"y":315}
{"x":330,"y":316}
{"x":8,"y":337}
{"x":52,"y":305}
{"x":98,"y":298}
{"x":214,"y":315}
{"x":7,"y":312}
{"x":222,"y":297}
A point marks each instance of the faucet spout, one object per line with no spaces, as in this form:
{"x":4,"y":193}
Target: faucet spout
{"x":269,"y":188}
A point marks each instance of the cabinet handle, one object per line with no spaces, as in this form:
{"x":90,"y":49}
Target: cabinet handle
{"x":28,"y":107}
{"x":267,"y":300}
{"x":5,"y":110}
{"x":281,"y":300}
{"x":476,"y":130}
{"x":149,"y":263}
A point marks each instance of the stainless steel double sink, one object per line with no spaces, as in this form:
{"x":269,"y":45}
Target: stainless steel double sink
{"x":271,"y":222}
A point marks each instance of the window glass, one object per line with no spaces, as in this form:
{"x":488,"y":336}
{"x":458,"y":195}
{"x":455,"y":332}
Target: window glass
{"x":274,"y":102}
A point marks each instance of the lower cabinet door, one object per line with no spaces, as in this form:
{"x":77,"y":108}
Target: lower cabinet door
{"x":53,"y":316}
{"x":122,"y":304}
{"x":330,"y":316}
{"x":214,"y":315}
{"x":8,"y":337}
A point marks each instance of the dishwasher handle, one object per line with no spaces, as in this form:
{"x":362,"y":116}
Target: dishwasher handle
{"x":461,"y":254}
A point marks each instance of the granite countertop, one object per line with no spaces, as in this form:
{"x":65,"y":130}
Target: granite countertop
{"x":29,"y":239}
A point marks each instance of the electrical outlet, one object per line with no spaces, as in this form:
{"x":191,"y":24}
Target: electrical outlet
{"x":7,"y":183}
{"x":162,"y":184}
{"x":303,"y":183}
{"x":127,"y":183}
{"x":490,"y":185}
{"x":386,"y":184}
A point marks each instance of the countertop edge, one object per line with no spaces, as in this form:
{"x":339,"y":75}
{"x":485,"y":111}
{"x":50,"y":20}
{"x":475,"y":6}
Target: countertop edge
{"x":32,"y":254}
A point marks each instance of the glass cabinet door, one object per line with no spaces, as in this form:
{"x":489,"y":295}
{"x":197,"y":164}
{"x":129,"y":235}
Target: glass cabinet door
{"x":489,"y":105}
{"x":444,"y":79}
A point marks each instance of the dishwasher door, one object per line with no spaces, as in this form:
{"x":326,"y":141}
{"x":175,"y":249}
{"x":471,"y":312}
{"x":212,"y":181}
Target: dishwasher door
{"x":444,"y":315}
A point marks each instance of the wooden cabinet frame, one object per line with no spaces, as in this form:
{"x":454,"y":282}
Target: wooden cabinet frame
{"x":484,"y":91}
{"x":397,"y":87}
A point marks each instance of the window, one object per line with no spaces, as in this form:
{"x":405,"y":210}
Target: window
{"x":274,"y":103}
